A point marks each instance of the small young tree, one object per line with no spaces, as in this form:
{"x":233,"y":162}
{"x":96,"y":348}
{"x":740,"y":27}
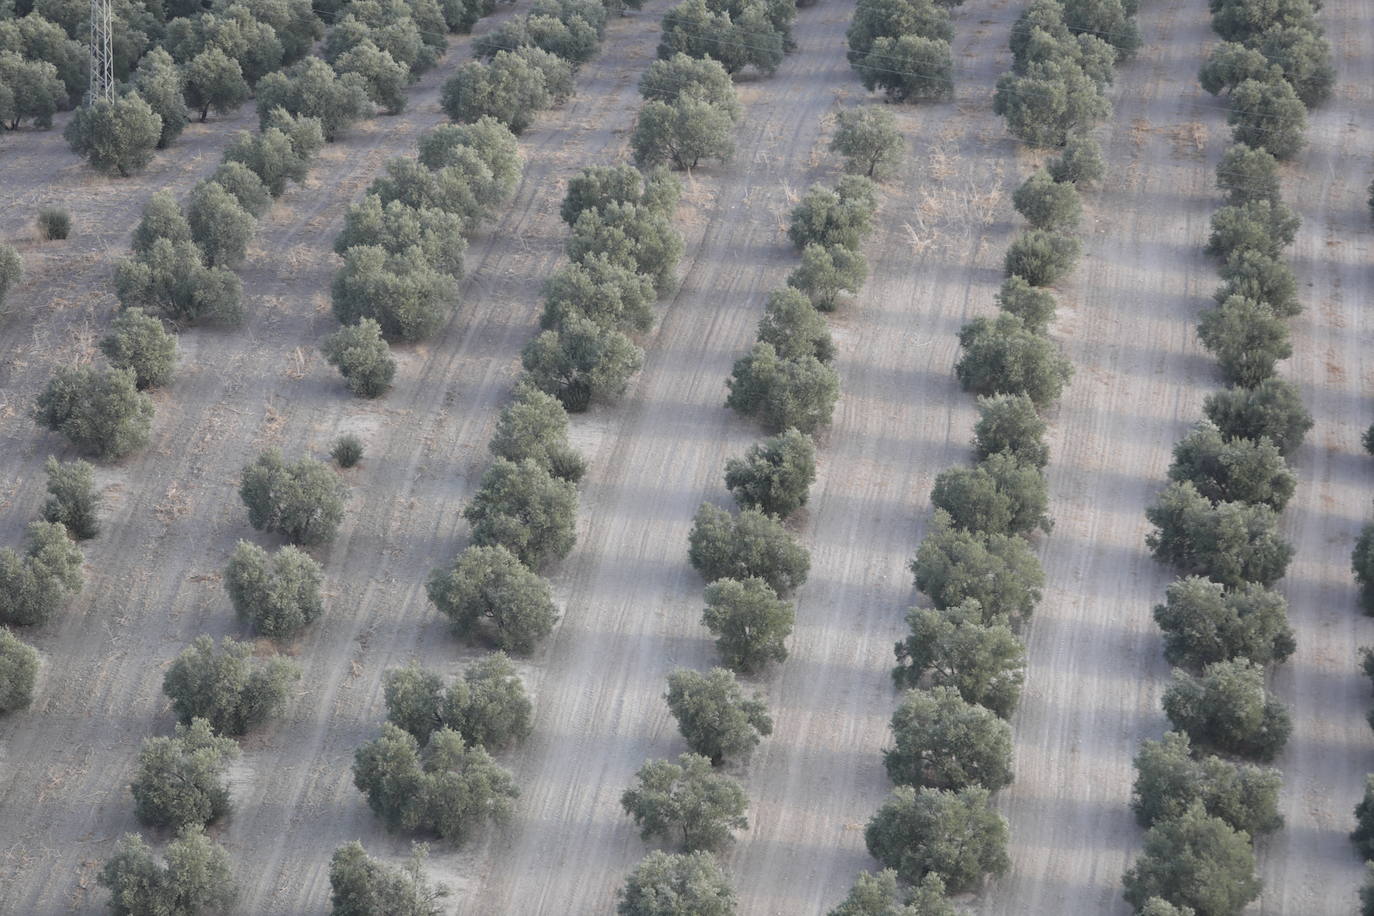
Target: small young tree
{"x":139,"y":342}
{"x":347,"y":450}
{"x":490,"y":585}
{"x":161,"y":84}
{"x":117,"y":137}
{"x":1264,"y":278}
{"x":682,"y":133}
{"x":774,"y":475}
{"x":277,"y":594}
{"x":956,"y":835}
{"x":1262,"y":225}
{"x":908,"y":68}
{"x":1228,"y":709}
{"x":1231,"y":543}
{"x":799,"y":392}
{"x":998,"y":496}
{"x":581,"y":362}
{"x":686,"y":802}
{"x":195,"y":879}
{"x":870,"y":142}
{"x":534,"y":426}
{"x":1205,"y":623}
{"x":72,"y":499}
{"x":302,"y":500}
{"x":34,"y":585}
{"x":1197,"y":861}
{"x":1247,"y":174}
{"x":1079,"y":163}
{"x":715,"y":717}
{"x":746,"y":545}
{"x":1009,"y":423}
{"x":1041,"y":258}
{"x":525,"y":509}
{"x":1002,"y":356}
{"x":172,"y":281}
{"x":1273,"y":408}
{"x":999,"y":571}
{"x":54,"y":224}
{"x":1169,"y":780}
{"x":101,"y":412}
{"x":215,"y":80}
{"x":219,"y":226}
{"x":183,"y":781}
{"x":311,"y":89}
{"x":944,"y":742}
{"x":362,"y":886}
{"x":878,"y":895}
{"x":985,"y":663}
{"x":750,"y":622}
{"x":825,"y":273}
{"x":18,"y":670}
{"x":362,"y":356}
{"x":842,"y":216}
{"x":671,"y":885}
{"x":1047,"y":204}
{"x":1268,"y":115}
{"x":228,"y":688}
{"x":407,"y":297}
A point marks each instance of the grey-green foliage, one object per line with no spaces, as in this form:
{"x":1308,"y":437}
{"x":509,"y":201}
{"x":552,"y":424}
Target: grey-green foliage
{"x":1034,"y":305}
{"x":1247,"y":339}
{"x":72,"y":498}
{"x":1231,"y":543}
{"x":397,"y":226}
{"x":488,"y":705}
{"x":449,"y":789}
{"x":1303,"y":56}
{"x":36,"y":583}
{"x":362,"y":886}
{"x":182,"y":781}
{"x":983,"y":661}
{"x":486,"y":138}
{"x":956,"y":835}
{"x":29,"y":90}
{"x":945,"y":742}
{"x":18,"y":669}
{"x":825,"y":273}
{"x":598,"y":186}
{"x":775,"y":474}
{"x":524,"y":508}
{"x":171,"y":280}
{"x":1363,"y":835}
{"x":1367,"y":890}
{"x":512,"y":88}
{"x":488,"y":589}
{"x":999,"y":495}
{"x":638,"y":236}
{"x":839,"y":216}
{"x":117,"y":137}
{"x":601,"y":290}
{"x":277,"y":594}
{"x":1233,"y":470}
{"x":893,"y":18}
{"x":682,"y":133}
{"x":1040,"y":257}
{"x":1080,"y":162}
{"x":1194,"y":861}
{"x":1362,"y":564}
{"x":347,"y":450}
{"x":196,"y":877}
{"x":1010,"y":423}
{"x":465,"y":188}
{"x":879,"y":895}
{"x":312,"y":89}
{"x":1003,"y":356}
{"x":1050,"y":102}
{"x":214,"y":80}
{"x":302,"y":500}
{"x":386,"y":78}
{"x":162,"y":86}
{"x":1227,"y":709}
{"x":686,"y":803}
{"x":1228,"y":65}
{"x":746,"y":545}
{"x":794,"y":328}
{"x":1272,"y":409}
{"x":1170,"y":779}
{"x":738,"y":38}
{"x":581,"y":362}
{"x":100,"y":411}
{"x":782,"y":392}
{"x":406,"y":296}
{"x":1247,"y":174}
{"x":1262,"y":277}
{"x":664,"y":884}
{"x":870,"y":142}
{"x":534,"y":426}
{"x":220,"y":227}
{"x":1048,"y":204}
{"x":362,"y":356}
{"x":1267,"y":226}
{"x":228,"y":687}
{"x":908,"y":68}
{"x":715,"y":717}
{"x":1204,"y":623}
{"x":11,"y":270}
{"x":750,"y":622}
{"x":1268,"y":115}
{"x":281,"y":152}
{"x":999,"y":571}
{"x":670,"y":79}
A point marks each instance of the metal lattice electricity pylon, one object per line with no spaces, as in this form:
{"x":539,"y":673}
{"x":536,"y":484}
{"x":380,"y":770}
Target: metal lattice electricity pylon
{"x":102,"y":57}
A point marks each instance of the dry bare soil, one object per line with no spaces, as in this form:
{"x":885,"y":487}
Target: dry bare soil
{"x":631,"y":602}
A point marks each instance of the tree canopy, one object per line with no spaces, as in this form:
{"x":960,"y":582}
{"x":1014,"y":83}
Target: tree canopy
{"x":490,"y":590}
{"x":955,"y":835}
{"x":664,"y":884}
{"x":38,"y":582}
{"x":182,"y":781}
{"x":302,"y":500}
{"x":686,"y":803}
{"x":1228,"y":709}
{"x":750,"y":544}
{"x":954,"y":648}
{"x":1194,"y":860}
{"x":277,"y":594}
{"x":944,"y":742}
{"x":716,"y":718}
{"x":228,"y":687}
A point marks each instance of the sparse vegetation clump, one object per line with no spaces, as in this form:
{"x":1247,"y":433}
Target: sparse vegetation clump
{"x":11,"y":270}
{"x":347,"y":451}
{"x":54,"y":224}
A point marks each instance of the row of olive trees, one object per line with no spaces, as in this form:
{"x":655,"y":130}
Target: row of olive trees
{"x":1218,"y":521}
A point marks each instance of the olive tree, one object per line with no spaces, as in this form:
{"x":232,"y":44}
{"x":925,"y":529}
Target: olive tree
{"x":1271,"y":409}
{"x":534,"y":426}
{"x":487,"y":706}
{"x":669,"y":79}
{"x":1231,"y":543}
{"x":1034,"y":305}
{"x":750,"y":622}
{"x":214,"y":80}
{"x":1362,"y":564}
{"x":605,"y":292}
{"x":487,"y":139}
{"x":1049,"y":102}
{"x":1268,"y":115}
{"x":509,"y":88}
{"x":1047,"y":204}
{"x":581,"y":362}
{"x":798,"y":392}
{"x":1229,"y":64}
{"x":1265,"y":226}
{"x":598,"y":186}
{"x":956,"y":835}
{"x":1247,"y":174}
{"x":172,"y":281}
{"x":997,"y":496}
{"x":686,"y":803}
{"x":870,"y":142}
{"x":361,"y":355}
{"x":11,"y":270}
{"x":908,"y":68}
{"x":826,"y":272}
{"x":72,"y":498}
{"x":182,"y":781}
{"x":385,"y":77}
{"x":403,"y":293}
{"x":1303,"y":56}
{"x":311,"y":89}
{"x":893,"y":18}
{"x":1010,"y":423}
{"x":1197,"y":861}
{"x":839,"y":216}
{"x":1233,"y":470}
{"x":879,"y":895}
{"x":29,"y":90}
{"x":716,"y":718}
{"x":489,"y":588}
{"x":161,"y":84}
{"x":117,"y":136}
{"x":1040,"y":257}
{"x":277,"y":594}
{"x":140,"y":343}
{"x":999,"y":571}
{"x":162,"y":219}
{"x":1262,"y":277}
{"x":665,"y":884}
{"x":362,"y":886}
{"x":220,"y":227}
{"x":228,"y":687}
{"x":1228,"y":709}
{"x":739,"y":37}
{"x":750,"y":544}
{"x":281,"y":152}
{"x":954,"y":648}
{"x":794,"y":328}
{"x":302,"y":500}
{"x":18,"y":670}
{"x":682,"y":133}
{"x":774,"y":475}
{"x":944,"y":742}
{"x":38,"y":582}
{"x":639,"y":236}
{"x":1080,"y":162}
{"x":1002,"y":356}
{"x":524,"y":508}
{"x":1170,"y":779}
{"x":100,"y":411}
{"x":196,"y":877}
{"x":1203,"y":623}
{"x":1363,"y":834}
{"x":1247,"y":339}
{"x":396,"y":226}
